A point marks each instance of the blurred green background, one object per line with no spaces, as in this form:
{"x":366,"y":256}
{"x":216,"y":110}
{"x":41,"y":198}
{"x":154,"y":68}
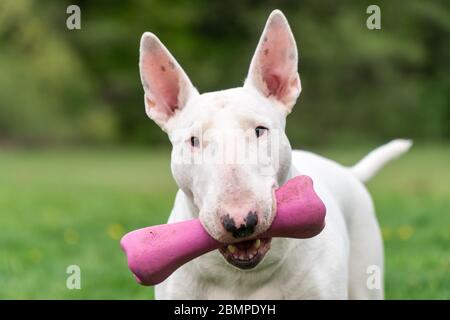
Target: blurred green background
{"x":80,"y":163}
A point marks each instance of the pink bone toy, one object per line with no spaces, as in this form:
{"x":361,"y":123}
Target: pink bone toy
{"x":156,"y":252}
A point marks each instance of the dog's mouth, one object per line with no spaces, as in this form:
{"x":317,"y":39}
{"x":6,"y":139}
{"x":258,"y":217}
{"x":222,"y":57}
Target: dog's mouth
{"x":246,"y":254}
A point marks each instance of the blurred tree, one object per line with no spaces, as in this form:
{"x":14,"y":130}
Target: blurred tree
{"x":45,"y":95}
{"x":358,"y":84}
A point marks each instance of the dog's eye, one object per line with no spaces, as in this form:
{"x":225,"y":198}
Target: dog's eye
{"x":195,"y":142}
{"x":259,"y":130}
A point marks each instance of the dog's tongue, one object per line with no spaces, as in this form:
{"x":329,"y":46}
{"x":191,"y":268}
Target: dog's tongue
{"x":244,"y":245}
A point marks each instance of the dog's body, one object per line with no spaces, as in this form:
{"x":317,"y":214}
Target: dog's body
{"x":235,"y":201}
{"x":333,"y":265}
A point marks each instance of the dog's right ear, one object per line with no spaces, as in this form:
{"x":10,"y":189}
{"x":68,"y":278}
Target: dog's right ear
{"x":167,"y":87}
{"x":273,"y":70}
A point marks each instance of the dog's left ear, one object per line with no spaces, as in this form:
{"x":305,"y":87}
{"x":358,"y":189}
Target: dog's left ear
{"x":273,"y":70}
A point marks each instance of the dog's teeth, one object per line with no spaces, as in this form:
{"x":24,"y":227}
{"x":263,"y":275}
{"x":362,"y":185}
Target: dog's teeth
{"x":231,"y":248}
{"x":257,"y":243}
{"x":251,"y":255}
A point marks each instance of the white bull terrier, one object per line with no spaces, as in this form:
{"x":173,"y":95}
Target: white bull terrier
{"x":235,"y":200}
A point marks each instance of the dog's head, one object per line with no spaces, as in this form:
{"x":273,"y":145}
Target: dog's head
{"x":230,"y":151}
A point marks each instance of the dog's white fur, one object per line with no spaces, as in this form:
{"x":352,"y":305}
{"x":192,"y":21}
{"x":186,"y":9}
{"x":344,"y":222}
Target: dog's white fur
{"x":332,"y":265}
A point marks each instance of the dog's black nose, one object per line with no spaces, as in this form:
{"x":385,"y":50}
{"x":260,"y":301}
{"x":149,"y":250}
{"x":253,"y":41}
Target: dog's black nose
{"x":244,"y":230}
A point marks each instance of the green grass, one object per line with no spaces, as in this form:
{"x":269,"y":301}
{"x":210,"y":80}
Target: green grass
{"x":59,"y":208}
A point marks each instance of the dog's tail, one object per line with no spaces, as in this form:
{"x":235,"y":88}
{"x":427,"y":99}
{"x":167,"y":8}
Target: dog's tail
{"x":367,"y":167}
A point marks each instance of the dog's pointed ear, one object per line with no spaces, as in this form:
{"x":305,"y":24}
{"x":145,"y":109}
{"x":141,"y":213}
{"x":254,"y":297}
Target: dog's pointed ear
{"x":167,"y":87}
{"x":273,"y":70}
